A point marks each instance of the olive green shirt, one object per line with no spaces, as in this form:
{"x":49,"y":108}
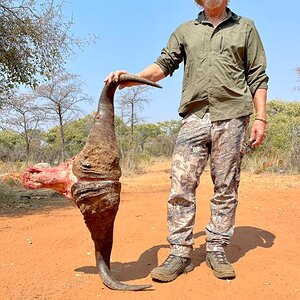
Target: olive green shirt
{"x":223,"y":66}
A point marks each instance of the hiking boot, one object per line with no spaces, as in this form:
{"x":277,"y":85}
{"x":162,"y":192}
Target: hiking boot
{"x":221,"y":267}
{"x":172,"y":268}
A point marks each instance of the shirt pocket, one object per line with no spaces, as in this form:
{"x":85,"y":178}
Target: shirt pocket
{"x":232,"y":44}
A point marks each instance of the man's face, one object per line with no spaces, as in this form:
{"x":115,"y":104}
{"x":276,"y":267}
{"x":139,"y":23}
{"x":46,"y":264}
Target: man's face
{"x":213,"y":4}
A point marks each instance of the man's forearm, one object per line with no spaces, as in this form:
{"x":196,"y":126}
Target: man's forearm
{"x":260,"y":100}
{"x":258,"y":130}
{"x":153,"y":73}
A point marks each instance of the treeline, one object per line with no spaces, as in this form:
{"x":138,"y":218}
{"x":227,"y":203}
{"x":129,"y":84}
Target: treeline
{"x":148,"y":140}
{"x":142,"y":142}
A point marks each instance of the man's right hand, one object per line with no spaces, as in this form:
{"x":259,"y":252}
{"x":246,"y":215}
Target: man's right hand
{"x":152,"y":72}
{"x":114,"y":77}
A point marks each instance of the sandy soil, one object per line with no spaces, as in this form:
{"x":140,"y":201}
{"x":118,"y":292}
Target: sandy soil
{"x":49,"y":254}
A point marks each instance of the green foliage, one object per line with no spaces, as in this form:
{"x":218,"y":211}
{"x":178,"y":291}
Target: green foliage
{"x":123,"y":136}
{"x":11,"y":146}
{"x":283,"y":117}
{"x":149,"y":140}
{"x":34,"y":41}
{"x":291,"y":109}
{"x":163,"y":144}
{"x":146,"y":133}
{"x":170,"y":128}
{"x":280,"y":150}
{"x":76,"y":134}
{"x":9,"y":139}
{"x":52,"y":145}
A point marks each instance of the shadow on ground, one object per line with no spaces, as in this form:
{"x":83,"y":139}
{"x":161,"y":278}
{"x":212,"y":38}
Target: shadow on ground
{"x":245,"y":239}
{"x":17,"y":202}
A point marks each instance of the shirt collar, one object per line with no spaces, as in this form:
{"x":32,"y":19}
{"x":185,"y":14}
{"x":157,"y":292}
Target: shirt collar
{"x":202,"y":18}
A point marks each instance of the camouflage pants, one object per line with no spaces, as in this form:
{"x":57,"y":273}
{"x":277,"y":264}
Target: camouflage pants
{"x":198,"y":139}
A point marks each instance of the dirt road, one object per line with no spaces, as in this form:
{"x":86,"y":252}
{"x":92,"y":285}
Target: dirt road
{"x":49,"y":254}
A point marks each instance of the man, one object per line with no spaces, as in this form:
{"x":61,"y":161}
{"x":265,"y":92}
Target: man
{"x":224,"y":75}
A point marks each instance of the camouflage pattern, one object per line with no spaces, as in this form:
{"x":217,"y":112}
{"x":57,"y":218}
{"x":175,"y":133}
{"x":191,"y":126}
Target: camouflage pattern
{"x":199,"y":138}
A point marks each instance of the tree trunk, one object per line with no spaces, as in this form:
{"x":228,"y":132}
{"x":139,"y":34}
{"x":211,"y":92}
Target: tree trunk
{"x":62,"y":136}
{"x":27,"y":141}
{"x":132,"y":119}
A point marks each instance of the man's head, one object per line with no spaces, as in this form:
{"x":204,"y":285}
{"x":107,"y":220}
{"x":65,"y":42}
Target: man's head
{"x":212,"y":4}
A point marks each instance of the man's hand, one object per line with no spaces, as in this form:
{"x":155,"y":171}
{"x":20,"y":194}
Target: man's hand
{"x":258,"y":133}
{"x":114,"y":77}
{"x":152,"y":72}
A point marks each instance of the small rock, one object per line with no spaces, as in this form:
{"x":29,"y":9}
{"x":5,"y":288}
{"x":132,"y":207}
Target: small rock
{"x":42,"y":165}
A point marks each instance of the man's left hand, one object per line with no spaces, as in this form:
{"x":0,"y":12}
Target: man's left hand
{"x":258,"y":133}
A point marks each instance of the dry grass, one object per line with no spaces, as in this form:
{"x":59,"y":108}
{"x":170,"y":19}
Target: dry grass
{"x":13,"y":167}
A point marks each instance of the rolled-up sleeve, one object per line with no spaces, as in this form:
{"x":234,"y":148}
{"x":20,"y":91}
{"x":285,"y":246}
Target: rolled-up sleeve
{"x":256,"y":61}
{"x":172,"y":55}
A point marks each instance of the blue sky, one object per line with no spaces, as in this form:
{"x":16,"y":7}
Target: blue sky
{"x":132,"y":33}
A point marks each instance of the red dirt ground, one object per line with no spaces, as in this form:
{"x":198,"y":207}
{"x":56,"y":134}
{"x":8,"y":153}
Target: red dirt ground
{"x":49,"y":254}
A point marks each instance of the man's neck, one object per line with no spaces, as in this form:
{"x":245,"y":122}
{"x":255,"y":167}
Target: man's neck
{"x":216,"y":16}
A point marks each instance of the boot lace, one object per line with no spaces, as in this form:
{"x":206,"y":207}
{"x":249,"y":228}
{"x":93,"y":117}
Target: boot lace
{"x":220,"y":257}
{"x":168,"y":261}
